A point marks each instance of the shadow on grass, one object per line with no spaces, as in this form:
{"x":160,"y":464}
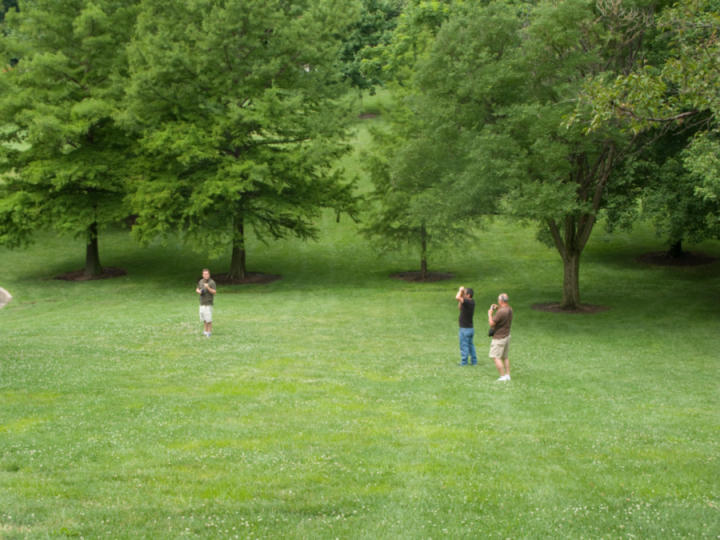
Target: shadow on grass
{"x":701,"y":266}
{"x":79,"y":275}
{"x":251,"y":278}
{"x":418,"y":277}
{"x":582,"y":309}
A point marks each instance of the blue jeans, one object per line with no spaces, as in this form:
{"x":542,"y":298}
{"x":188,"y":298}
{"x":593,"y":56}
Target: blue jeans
{"x":467,"y":347}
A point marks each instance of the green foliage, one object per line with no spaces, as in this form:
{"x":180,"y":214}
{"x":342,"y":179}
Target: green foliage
{"x":693,"y":67}
{"x":409,"y":168}
{"x":498,"y":83}
{"x":241,"y":111}
{"x":668,"y":189}
{"x":421,"y":190}
{"x":702,"y":158}
{"x":5,"y":6}
{"x":675,"y":92}
{"x":394,"y":60}
{"x":677,"y":84}
{"x":62,"y":156}
{"x":372,"y":29}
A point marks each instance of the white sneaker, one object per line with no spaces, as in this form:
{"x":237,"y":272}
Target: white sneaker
{"x":504,"y":378}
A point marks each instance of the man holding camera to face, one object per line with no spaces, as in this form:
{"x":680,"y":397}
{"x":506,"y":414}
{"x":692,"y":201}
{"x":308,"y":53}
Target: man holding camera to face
{"x":466,"y":305}
{"x":500,"y":319}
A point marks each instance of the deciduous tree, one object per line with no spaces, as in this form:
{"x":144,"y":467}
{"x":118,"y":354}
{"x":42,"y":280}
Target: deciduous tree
{"x":509,"y":75}
{"x":410,"y":168}
{"x":667,"y":190}
{"x":372,"y":29}
{"x":415,"y":158}
{"x":677,"y":92}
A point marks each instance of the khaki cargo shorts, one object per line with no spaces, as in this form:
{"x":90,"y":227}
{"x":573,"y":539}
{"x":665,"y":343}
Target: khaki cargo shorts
{"x":499,"y":348}
{"x":206,"y":314}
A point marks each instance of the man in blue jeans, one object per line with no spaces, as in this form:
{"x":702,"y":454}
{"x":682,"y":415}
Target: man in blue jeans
{"x":466,"y":305}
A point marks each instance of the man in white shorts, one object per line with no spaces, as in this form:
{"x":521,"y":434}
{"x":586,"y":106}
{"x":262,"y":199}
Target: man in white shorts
{"x":206,"y":288}
{"x":500,"y":319}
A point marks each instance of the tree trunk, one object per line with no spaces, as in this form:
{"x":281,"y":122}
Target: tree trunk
{"x":423,"y":253}
{"x":571,"y":281}
{"x":92,"y":253}
{"x":238,"y":266}
{"x":571,"y":233}
{"x":676,"y":250}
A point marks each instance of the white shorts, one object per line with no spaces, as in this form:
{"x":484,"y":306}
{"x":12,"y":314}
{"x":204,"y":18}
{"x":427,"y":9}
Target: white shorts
{"x":206,"y":314}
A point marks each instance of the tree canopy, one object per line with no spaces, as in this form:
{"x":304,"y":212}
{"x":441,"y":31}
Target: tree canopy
{"x":500,"y":83}
{"x":410,"y":170}
{"x":676,"y":93}
{"x":5,"y":6}
{"x":63,"y":156}
{"x":241,"y":110}
{"x":416,"y":165}
{"x":212,"y":116}
{"x":372,"y":29}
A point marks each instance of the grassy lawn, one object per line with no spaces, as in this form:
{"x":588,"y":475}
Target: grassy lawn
{"x":328,"y":404}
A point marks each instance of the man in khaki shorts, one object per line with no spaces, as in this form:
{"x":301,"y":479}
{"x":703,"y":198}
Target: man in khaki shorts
{"x":500,"y":319}
{"x":206,"y":288}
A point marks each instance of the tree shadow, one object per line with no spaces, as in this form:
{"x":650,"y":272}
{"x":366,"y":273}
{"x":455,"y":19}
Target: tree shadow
{"x":687,"y":258}
{"x":251,"y":278}
{"x":582,"y":309}
{"x":79,"y":275}
{"x":418,"y":277}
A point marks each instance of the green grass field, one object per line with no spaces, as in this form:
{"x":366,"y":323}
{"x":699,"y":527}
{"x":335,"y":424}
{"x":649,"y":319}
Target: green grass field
{"x":329,"y":404}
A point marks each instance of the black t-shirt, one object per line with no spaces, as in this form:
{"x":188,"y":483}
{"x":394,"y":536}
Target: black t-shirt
{"x":467,"y":308}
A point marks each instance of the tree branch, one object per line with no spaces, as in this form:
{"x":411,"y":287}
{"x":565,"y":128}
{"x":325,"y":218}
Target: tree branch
{"x":666,"y":120}
{"x":557,"y":238}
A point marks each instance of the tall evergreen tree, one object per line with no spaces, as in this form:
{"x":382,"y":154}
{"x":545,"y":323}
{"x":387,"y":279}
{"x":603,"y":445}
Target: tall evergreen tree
{"x":240,"y":107}
{"x":415,"y":159}
{"x":63,"y":159}
{"x":411,"y":167}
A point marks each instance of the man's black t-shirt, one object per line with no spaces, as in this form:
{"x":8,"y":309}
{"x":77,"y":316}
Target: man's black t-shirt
{"x":467,"y":308}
